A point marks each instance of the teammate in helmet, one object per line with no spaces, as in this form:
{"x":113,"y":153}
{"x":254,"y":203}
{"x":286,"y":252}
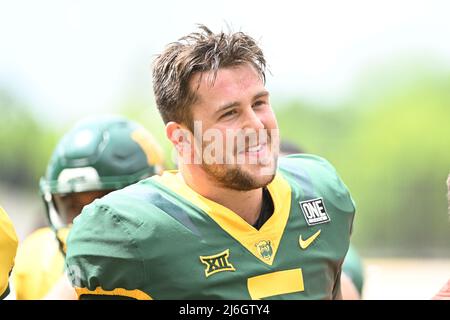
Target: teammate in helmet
{"x":8,"y":246}
{"x":99,"y":155}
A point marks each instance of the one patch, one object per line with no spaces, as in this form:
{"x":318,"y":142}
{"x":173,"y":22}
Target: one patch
{"x":314,"y":211}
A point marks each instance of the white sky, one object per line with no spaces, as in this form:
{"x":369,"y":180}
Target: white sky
{"x":71,"y":58}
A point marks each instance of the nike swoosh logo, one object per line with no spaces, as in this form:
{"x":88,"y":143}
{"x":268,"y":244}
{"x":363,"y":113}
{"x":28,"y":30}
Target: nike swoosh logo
{"x":305,"y":243}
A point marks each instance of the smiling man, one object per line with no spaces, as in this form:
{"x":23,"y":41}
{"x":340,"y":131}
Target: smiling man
{"x":232,"y":222}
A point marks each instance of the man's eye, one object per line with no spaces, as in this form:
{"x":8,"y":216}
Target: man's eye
{"x":258,"y":103}
{"x":228,"y":114}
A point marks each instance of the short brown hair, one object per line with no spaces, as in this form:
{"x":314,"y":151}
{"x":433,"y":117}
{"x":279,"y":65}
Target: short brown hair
{"x":198,"y":52}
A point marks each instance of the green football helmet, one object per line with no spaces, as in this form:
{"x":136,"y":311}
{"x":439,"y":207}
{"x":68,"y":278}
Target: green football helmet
{"x":100,"y":154}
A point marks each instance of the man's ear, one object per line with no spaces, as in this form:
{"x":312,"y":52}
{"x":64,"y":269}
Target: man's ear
{"x":179,"y":135}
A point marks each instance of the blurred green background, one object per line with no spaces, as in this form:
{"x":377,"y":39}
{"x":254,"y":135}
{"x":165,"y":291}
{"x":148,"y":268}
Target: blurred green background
{"x":390,"y":142}
{"x":381,"y":114}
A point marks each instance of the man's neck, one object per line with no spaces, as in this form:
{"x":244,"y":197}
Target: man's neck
{"x":246,"y":204}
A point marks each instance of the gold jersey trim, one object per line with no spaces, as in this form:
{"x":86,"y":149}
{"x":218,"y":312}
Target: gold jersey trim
{"x":135,"y":294}
{"x":249,"y":237}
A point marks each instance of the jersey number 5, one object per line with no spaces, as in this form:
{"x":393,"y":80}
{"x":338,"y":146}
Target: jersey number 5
{"x":275,"y":283}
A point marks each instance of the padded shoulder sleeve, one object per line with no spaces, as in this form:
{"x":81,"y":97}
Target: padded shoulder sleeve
{"x":103,"y":257}
{"x":315,"y":175}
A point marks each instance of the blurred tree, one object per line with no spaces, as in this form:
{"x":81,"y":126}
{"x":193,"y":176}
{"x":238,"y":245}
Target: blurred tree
{"x":145,"y":112}
{"x":391,"y":145}
{"x":25,"y":143}
{"x":400,"y":149}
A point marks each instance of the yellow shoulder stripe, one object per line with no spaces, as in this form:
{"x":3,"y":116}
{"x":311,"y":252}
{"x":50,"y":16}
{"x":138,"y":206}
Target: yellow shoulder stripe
{"x":135,"y":294}
{"x":154,"y":153}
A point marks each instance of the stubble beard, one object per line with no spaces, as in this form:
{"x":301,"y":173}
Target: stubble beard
{"x":232,"y":176}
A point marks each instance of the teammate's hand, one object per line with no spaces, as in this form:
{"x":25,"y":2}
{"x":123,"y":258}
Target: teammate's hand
{"x":444,"y":293}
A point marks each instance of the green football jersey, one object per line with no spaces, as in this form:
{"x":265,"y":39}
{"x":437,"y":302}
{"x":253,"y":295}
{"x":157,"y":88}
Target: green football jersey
{"x":159,"y":239}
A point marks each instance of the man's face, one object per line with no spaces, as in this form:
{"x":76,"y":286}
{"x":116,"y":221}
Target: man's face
{"x":239,"y":141}
{"x":70,"y":205}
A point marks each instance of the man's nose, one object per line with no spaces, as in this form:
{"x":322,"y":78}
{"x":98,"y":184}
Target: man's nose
{"x":252,"y":120}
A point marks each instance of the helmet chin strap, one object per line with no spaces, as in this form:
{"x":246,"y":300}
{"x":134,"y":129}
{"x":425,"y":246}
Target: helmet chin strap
{"x":51,"y":214}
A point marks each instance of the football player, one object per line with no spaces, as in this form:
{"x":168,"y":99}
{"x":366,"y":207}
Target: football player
{"x":233,"y":222}
{"x":8,"y":246}
{"x":99,"y":155}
